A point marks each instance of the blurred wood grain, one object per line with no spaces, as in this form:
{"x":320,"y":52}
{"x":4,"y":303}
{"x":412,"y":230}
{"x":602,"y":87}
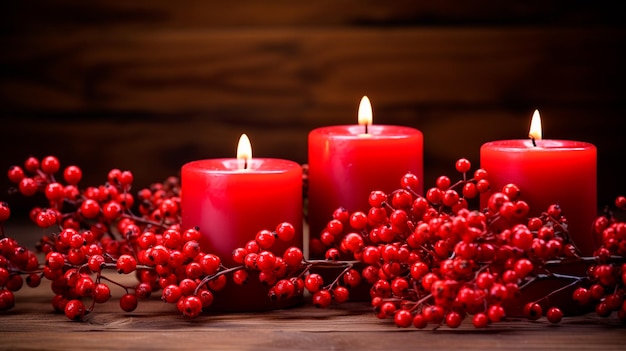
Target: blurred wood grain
{"x":150,"y":85}
{"x":155,"y":325}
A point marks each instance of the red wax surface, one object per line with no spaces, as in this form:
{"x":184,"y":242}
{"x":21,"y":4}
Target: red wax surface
{"x":230,"y":206}
{"x":345,"y":166}
{"x":554,"y":171}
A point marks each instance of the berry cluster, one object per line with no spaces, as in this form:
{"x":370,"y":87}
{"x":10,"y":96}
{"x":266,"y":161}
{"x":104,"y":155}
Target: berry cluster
{"x":432,"y":261}
{"x":98,"y":234}
{"x":426,"y":260}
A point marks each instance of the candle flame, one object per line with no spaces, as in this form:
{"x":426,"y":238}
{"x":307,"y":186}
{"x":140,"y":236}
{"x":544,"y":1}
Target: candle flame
{"x":365,"y":112}
{"x":244,"y":152}
{"x":535,"y":127}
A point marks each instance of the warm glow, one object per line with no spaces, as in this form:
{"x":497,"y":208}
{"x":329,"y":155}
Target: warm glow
{"x":535,"y":126}
{"x":365,"y":112}
{"x":244,"y":152}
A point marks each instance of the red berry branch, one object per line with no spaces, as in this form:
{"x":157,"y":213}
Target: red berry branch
{"x":424,"y":260}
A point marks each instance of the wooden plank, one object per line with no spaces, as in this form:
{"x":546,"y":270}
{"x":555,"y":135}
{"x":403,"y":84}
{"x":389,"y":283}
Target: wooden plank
{"x":64,"y":15}
{"x":273,"y":70}
{"x":352,"y":325}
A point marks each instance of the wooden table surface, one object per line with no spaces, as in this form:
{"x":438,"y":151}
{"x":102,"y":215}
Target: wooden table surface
{"x":32,"y":325}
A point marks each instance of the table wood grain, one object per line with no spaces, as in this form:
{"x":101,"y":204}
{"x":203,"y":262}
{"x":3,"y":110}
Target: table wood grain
{"x":155,"y":325}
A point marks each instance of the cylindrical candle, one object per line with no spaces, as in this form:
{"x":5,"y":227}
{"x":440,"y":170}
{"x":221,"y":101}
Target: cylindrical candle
{"x":348,"y":162}
{"x":230,"y":205}
{"x":548,"y":172}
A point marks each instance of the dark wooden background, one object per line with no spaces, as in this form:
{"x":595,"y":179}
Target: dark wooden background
{"x":150,"y":85}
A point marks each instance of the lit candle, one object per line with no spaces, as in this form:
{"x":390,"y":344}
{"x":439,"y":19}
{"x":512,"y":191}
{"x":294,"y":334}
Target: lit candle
{"x":548,"y":172}
{"x":347,"y":162}
{"x":230,"y":200}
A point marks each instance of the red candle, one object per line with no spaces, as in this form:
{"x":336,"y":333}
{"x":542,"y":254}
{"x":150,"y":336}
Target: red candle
{"x":548,"y":172}
{"x":230,"y":200}
{"x":347,"y":162}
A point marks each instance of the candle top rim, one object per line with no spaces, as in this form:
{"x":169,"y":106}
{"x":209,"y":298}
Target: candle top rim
{"x":231,"y":166}
{"x":374,"y":130}
{"x":542,"y":145}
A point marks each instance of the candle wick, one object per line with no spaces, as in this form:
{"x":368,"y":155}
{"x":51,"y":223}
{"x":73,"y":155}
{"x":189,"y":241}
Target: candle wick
{"x":245,"y":163}
{"x":533,"y":140}
{"x":366,"y":125}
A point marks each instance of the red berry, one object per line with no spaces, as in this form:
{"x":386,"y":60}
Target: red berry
{"x":341,"y":294}
{"x":495,"y":313}
{"x":169,"y":208}
{"x":403,"y":318}
{"x":50,"y":164}
{"x":4,"y":276}
{"x":352,"y":278}
{"x":443,"y":182}
{"x":28,"y":186}
{"x":554,"y":315}
{"x":75,"y":310}
{"x":463,"y":165}
{"x":512,"y":191}
{"x":210,"y":263}
{"x":454,"y":319}
{"x":126,"y":264}
{"x":90,"y":208}
{"x":419,"y":321}
{"x":284,"y":289}
{"x":112,"y":210}
{"x":218,"y":283}
{"x":240,"y":277}
{"x":187,"y":286}
{"x":265,"y":261}
{"x":322,"y":299}
{"x":293,"y":257}
{"x":434,"y":195}
{"x":377,"y":198}
{"x":523,"y":267}
{"x":101,"y":293}
{"x":126,"y":178}
{"x":128,"y":302}
{"x":15,"y":174}
{"x":533,"y":311}
{"x":72,"y":175}
{"x":31,"y":164}
{"x":15,"y":282}
{"x":353,"y":242}
{"x":206,"y":297}
{"x":191,"y":306}
{"x":522,"y":237}
{"x":143,"y":290}
{"x":470,"y":190}
{"x":483,"y":186}
{"x":409,"y":181}
{"x":191,"y":249}
{"x":358,"y":220}
{"x":84,"y":286}
{"x":265,"y":239}
{"x":285,"y":231}
{"x":171,"y":293}
{"x":313,"y":282}
{"x":434,"y":314}
{"x":7,"y":300}
{"x":480,"y":320}
{"x":5,"y":211}
{"x":554,"y":211}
